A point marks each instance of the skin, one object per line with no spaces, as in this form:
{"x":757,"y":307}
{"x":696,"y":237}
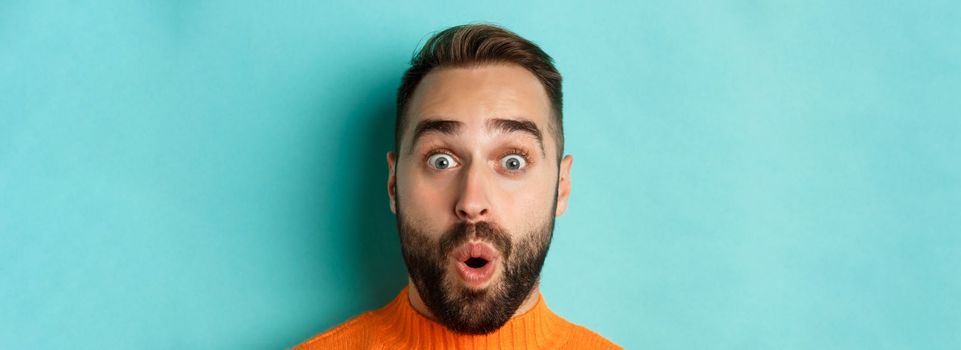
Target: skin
{"x":478,"y":187}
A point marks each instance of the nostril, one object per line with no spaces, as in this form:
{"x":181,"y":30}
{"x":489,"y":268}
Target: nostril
{"x":471,"y":214}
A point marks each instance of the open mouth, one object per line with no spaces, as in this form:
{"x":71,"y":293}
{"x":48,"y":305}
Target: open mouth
{"x":475,"y":263}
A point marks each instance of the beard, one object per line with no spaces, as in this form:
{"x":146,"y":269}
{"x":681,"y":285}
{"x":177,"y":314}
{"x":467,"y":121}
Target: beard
{"x":457,"y":307}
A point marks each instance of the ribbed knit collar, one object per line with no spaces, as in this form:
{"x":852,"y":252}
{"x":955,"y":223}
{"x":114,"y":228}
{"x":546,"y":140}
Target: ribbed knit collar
{"x":404,"y":327}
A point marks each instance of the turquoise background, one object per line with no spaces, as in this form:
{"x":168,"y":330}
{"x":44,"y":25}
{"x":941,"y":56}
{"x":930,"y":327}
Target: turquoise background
{"x":747,"y":175}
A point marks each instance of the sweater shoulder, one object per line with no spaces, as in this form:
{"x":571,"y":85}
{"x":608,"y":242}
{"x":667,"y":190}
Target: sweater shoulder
{"x":343,"y":336}
{"x":583,"y":338}
{"x":580,"y":337}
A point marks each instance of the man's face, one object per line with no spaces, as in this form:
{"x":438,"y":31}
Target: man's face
{"x":476,"y":186}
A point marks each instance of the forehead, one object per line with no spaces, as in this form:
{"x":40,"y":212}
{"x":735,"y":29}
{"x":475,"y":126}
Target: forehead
{"x":472,"y":95}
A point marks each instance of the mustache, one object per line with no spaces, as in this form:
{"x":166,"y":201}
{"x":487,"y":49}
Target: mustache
{"x":463,"y":232}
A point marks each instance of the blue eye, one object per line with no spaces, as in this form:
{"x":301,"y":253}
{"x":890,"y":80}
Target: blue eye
{"x":513,"y":162}
{"x":441,"y":161}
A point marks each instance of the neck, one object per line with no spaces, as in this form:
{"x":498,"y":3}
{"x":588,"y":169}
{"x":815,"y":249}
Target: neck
{"x":418,"y":304}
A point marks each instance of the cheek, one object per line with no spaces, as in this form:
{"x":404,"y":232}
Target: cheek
{"x":526,"y":204}
{"x":424,"y":200}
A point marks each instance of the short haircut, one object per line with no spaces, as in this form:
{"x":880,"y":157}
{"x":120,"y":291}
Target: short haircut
{"x":474,"y":45}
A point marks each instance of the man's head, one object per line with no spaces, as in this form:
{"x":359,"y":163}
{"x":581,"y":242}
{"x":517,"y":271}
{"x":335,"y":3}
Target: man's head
{"x":478,"y":174}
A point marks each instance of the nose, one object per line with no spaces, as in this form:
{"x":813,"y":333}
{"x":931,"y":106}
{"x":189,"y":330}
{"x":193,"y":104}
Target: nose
{"x":473,"y":202}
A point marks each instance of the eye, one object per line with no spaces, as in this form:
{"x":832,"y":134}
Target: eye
{"x":441,"y":161}
{"x":513,"y":162}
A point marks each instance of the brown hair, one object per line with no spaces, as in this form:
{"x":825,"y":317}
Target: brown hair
{"x":476,"y":44}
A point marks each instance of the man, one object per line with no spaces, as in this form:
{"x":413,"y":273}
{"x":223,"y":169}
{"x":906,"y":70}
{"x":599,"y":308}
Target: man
{"x":476,"y":181}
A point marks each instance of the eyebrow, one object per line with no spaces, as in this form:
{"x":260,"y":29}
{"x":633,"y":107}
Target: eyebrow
{"x":453,"y":127}
{"x":426,"y":126}
{"x":517,"y":125}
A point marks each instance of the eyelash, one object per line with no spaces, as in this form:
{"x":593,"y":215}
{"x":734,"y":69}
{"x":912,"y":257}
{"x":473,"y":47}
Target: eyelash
{"x":436,"y":151}
{"x":520,"y":152}
{"x":513,"y":151}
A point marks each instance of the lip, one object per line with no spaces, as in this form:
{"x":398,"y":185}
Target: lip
{"x":475,"y":277}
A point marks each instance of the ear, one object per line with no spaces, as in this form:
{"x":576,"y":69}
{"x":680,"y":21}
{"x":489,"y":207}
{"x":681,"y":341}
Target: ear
{"x":564,"y":184}
{"x":392,"y":180}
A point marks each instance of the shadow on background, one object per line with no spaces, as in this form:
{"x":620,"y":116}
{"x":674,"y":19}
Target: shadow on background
{"x":370,"y":245}
{"x":379,"y":262}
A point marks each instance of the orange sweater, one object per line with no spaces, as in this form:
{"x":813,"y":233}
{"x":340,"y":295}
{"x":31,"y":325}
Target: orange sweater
{"x":399,"y":326}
